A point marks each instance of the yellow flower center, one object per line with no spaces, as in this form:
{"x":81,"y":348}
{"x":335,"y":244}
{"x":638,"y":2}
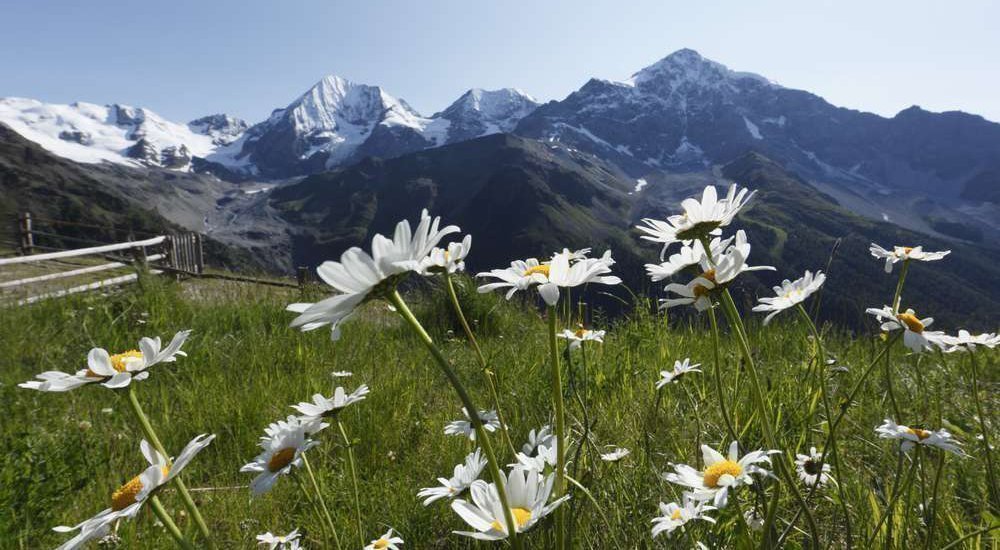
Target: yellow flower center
{"x":521,"y":517}
{"x":911,"y":322}
{"x":541,"y":269}
{"x":381,"y":543}
{"x":700,"y":290}
{"x":907,"y":249}
{"x":719,"y":469}
{"x":580,"y":332}
{"x":280,"y":459}
{"x":921,"y":434}
{"x":676,"y":515}
{"x":119,"y":361}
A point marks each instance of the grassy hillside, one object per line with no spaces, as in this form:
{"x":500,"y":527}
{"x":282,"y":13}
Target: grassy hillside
{"x":65,"y":453}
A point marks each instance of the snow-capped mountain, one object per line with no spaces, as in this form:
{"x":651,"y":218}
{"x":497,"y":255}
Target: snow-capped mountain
{"x":90,"y":133}
{"x":482,"y":112}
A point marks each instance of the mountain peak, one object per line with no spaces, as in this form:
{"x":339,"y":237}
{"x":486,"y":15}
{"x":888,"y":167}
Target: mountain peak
{"x":481,"y":112}
{"x":687,"y":65}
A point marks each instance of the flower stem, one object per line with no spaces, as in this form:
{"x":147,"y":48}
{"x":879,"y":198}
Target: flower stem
{"x":477,"y":423}
{"x":489,"y":374}
{"x":729,"y":306}
{"x":560,"y":430}
{"x":316,"y":509}
{"x":892,"y":503}
{"x":168,"y":522}
{"x":147,"y":429}
{"x":932,"y":522}
{"x":730,"y":427}
{"x":354,"y":480}
{"x":987,"y":449}
{"x":319,"y":498}
{"x":834,"y":454}
{"x":898,"y":296}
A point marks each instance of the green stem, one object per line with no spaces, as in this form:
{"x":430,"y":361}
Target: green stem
{"x":560,"y":430}
{"x":477,"y":424}
{"x":489,"y":374}
{"x":932,"y":522}
{"x":354,"y":480}
{"x":834,"y":454}
{"x":319,"y":498}
{"x":898,"y":296}
{"x":729,"y":306}
{"x":168,"y":522}
{"x":147,"y":429}
{"x":730,"y":427}
{"x":987,"y":449}
{"x":316,"y":509}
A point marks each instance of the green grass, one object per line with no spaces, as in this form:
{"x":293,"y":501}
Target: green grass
{"x":62,"y":456}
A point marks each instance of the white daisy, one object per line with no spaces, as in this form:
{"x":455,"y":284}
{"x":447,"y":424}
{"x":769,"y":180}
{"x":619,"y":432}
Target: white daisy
{"x":527,"y":494}
{"x":615,"y":454}
{"x":915,"y":336}
{"x":566,"y":269}
{"x":755,"y":519}
{"x":811,"y":468}
{"x":113,"y":371}
{"x":674,"y":515}
{"x":903,"y":254}
{"x":341,"y":374}
{"x":322,"y":407}
{"x":700,"y":218}
{"x":721,"y":473}
{"x":490,"y":420}
{"x":790,"y":293}
{"x":965,"y":341}
{"x":282,"y":542}
{"x":909,"y":437}
{"x":450,"y":259}
{"x":282,"y":450}
{"x":580,"y":335}
{"x":360,"y":276}
{"x":680,"y":369}
{"x":129,"y":498}
{"x":542,"y":437}
{"x":688,"y":256}
{"x":461,"y":479}
{"x":388,"y":541}
{"x":725,"y":269}
{"x":542,"y":459}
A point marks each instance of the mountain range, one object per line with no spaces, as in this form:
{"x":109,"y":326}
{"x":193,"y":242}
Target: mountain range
{"x":344,"y":160}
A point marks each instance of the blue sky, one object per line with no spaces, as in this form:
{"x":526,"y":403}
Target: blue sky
{"x":187,"y":58}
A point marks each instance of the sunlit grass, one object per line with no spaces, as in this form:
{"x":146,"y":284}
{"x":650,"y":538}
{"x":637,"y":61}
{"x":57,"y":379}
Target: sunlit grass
{"x":62,"y":456}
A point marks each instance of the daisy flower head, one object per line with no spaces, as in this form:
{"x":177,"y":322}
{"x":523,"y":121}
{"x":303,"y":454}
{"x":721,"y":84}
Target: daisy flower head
{"x":490,"y":420}
{"x":689,"y":255}
{"x":910,"y":437}
{"x":680,"y":369}
{"x":755,"y":519}
{"x":790,"y":294}
{"x":113,"y":371}
{"x":280,"y":542}
{"x":448,"y":260}
{"x":811,"y":468}
{"x":541,"y":460}
{"x":359,"y":276}
{"x":282,"y":450}
{"x":721,"y":473}
{"x":915,"y":335}
{"x":566,"y":269}
{"x":904,"y":254}
{"x":580,"y":335}
{"x":675,"y":515}
{"x":388,"y":541}
{"x":700,"y":217}
{"x":527,"y":494}
{"x":542,"y":437}
{"x":461,"y":479}
{"x":129,"y":498}
{"x":615,"y":454}
{"x":966,"y":341}
{"x":325,"y":407}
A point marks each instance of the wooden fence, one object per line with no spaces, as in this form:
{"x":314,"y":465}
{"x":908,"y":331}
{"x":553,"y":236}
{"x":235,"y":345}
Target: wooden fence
{"x":178,"y":254}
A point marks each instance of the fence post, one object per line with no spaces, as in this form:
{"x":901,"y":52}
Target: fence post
{"x":27,"y":239}
{"x":302,"y":276}
{"x":199,"y":251}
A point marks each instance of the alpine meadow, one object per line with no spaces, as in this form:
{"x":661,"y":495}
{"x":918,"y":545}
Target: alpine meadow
{"x":316,"y":275}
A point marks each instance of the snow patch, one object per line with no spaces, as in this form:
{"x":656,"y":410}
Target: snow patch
{"x":639,"y":184}
{"x":752,"y":128}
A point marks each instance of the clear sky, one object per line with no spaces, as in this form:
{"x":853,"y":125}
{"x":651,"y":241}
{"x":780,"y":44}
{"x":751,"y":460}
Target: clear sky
{"x":187,"y":58}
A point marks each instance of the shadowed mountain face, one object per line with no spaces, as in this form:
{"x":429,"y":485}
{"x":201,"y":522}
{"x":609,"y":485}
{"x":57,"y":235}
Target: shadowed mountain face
{"x":520,"y":198}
